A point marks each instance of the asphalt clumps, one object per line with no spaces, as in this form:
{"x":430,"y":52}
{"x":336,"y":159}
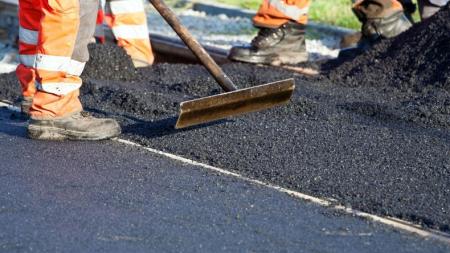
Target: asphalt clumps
{"x":108,"y":62}
{"x":363,"y":133}
{"x":416,"y":63}
{"x":416,"y":60}
{"x":10,"y":87}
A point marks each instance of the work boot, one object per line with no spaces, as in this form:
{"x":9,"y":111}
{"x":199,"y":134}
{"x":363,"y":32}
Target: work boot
{"x":274,"y":46}
{"x":376,"y":29}
{"x":79,"y":126}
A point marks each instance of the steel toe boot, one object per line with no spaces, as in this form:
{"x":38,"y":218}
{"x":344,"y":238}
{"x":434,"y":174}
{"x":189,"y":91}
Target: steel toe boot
{"x":274,"y":46}
{"x":382,"y":28}
{"x":79,"y":126}
{"x":376,"y":29}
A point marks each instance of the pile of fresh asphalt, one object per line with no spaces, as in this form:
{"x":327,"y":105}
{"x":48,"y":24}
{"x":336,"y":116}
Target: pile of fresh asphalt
{"x":381,"y":148}
{"x":416,"y":62}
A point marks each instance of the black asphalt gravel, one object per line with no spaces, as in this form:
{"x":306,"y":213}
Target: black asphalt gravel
{"x":416,"y":62}
{"x":381,"y":149}
{"x":110,"y":197}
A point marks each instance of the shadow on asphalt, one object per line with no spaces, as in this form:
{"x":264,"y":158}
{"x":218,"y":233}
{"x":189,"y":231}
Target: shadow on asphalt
{"x":153,"y":129}
{"x":12,"y":124}
{"x":163,"y":127}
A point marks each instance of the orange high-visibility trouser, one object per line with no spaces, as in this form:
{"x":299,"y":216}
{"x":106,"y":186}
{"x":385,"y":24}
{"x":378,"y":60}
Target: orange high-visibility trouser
{"x":368,"y":9}
{"x":274,"y":13}
{"x":29,"y":16}
{"x":60,"y":34}
{"x":128,"y":22}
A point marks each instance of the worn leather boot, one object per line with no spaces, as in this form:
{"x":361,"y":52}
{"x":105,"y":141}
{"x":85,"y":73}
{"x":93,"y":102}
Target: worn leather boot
{"x":375,"y":29}
{"x":274,"y":46}
{"x":79,"y":126}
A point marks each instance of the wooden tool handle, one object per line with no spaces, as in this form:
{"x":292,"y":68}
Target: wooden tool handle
{"x":194,"y":46}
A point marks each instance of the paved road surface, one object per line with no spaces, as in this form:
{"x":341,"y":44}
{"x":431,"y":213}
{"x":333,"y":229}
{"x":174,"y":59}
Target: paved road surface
{"x":109,"y":197}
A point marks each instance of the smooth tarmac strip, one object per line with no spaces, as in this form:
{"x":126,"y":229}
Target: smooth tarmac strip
{"x":110,"y":197}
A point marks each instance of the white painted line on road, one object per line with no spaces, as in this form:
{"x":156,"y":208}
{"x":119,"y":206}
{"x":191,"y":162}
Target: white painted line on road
{"x":9,"y":106}
{"x":390,"y":221}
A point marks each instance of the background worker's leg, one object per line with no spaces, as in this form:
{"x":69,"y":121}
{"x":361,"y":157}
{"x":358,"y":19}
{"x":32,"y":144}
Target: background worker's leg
{"x":380,"y":18}
{"x":281,"y":38}
{"x":428,"y":8}
{"x":129,"y":24}
{"x":99,"y":32}
{"x":29,"y":16}
{"x":274,"y":13}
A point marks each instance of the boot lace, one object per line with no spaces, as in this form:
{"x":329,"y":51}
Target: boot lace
{"x":263,"y":34}
{"x":83,"y":114}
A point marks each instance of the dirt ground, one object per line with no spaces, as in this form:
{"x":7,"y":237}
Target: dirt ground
{"x":372,"y":133}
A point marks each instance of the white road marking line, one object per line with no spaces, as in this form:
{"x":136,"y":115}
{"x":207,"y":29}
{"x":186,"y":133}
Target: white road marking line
{"x":389,"y":221}
{"x":9,"y":106}
{"x":392,"y":222}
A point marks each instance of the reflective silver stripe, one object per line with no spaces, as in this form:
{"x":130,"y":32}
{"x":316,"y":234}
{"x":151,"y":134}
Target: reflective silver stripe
{"x":71,"y":67}
{"x":58,"y":88}
{"x":75,"y":68}
{"x":439,"y":2}
{"x":28,"y":36}
{"x":28,"y":60}
{"x":131,"y":31}
{"x":102,"y":4}
{"x":126,"y":6}
{"x":52,"y":63}
{"x":59,"y":63}
{"x":290,"y":11}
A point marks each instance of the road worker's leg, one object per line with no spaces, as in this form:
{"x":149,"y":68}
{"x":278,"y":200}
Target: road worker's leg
{"x":66,"y":28}
{"x":129,"y":24}
{"x":29,"y":16}
{"x":281,"y":38}
{"x":380,"y":19}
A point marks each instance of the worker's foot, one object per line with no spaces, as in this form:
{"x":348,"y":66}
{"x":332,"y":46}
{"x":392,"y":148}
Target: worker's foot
{"x":376,"y":29}
{"x":79,"y":126}
{"x":274,"y":46}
